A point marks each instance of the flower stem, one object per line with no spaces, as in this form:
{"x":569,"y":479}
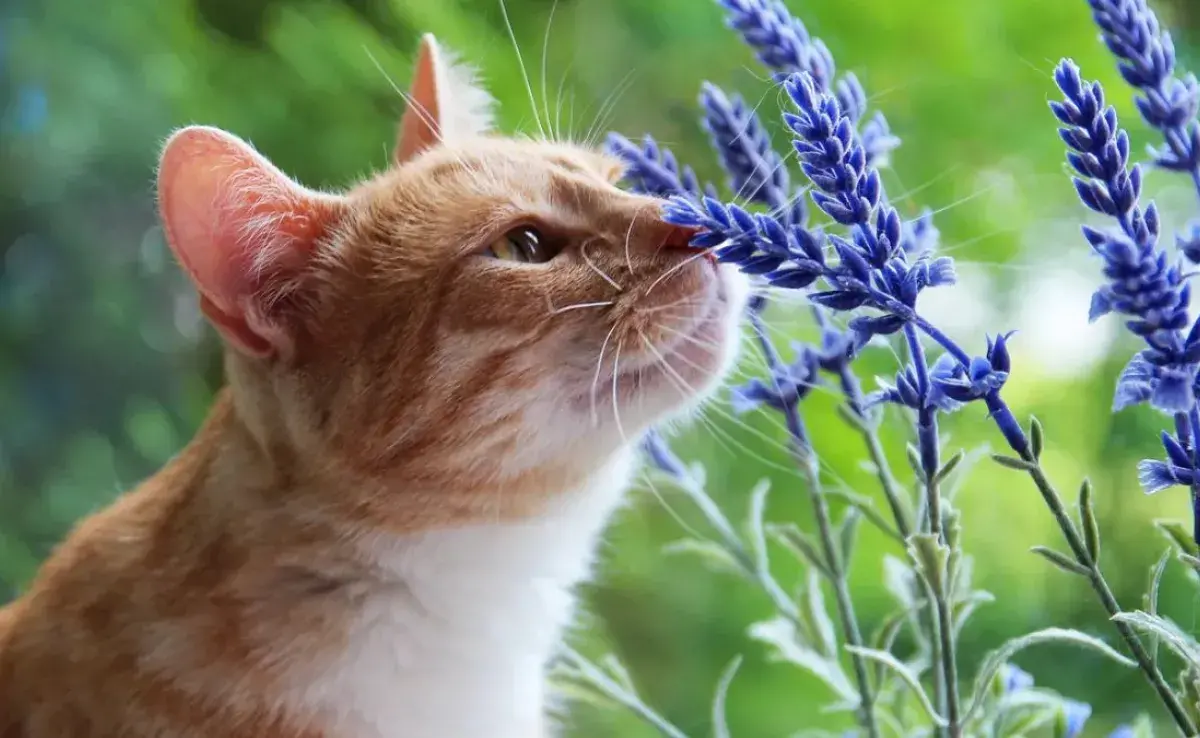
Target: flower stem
{"x":806,"y":460}
{"x":1108,"y":600}
{"x":1003,"y":417}
{"x":930,"y":454}
{"x":852,"y":391}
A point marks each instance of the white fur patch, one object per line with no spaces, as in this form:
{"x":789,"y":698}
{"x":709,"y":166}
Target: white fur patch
{"x":466,"y":108}
{"x":457,"y":646}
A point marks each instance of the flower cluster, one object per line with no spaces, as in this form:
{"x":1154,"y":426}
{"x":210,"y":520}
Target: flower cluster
{"x":654,"y":170}
{"x":863,"y":269}
{"x":1146,"y":57}
{"x":1144,"y":283}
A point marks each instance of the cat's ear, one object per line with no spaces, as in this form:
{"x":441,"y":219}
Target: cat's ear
{"x":445,"y":103}
{"x":244,"y":232}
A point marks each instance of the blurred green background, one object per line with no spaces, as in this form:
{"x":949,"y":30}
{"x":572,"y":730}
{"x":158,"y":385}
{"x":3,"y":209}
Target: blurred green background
{"x":106,"y":367}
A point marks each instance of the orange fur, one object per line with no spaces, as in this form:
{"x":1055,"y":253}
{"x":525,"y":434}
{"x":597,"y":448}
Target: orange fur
{"x":385,"y":378}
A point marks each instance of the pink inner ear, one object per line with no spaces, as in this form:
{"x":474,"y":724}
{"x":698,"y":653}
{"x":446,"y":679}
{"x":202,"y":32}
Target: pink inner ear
{"x":420,"y":128}
{"x":241,"y":228}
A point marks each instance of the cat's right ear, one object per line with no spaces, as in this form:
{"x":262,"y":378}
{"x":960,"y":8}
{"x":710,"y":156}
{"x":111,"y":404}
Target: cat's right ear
{"x":445,"y":103}
{"x":245,"y":233}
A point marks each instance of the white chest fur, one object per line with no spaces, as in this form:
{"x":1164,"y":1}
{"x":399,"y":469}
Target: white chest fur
{"x":458,"y":650}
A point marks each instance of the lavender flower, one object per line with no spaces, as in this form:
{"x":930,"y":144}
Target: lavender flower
{"x":1146,"y":57}
{"x":653,"y":170}
{"x":1144,"y":283}
{"x":1015,"y":679}
{"x":786,"y":387}
{"x":779,"y":39}
{"x":756,"y":170}
{"x":1075,"y":716}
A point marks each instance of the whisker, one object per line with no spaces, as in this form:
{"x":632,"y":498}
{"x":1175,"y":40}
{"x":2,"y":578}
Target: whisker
{"x":545,"y":49}
{"x":673,"y":270}
{"x":512,"y":35}
{"x":609,"y":105}
{"x":671,"y":510}
{"x":683,"y":385}
{"x":685,"y":302}
{"x":558,"y":104}
{"x":596,"y":376}
{"x":587,"y":260}
{"x":579,"y":306}
{"x":628,"y":236}
{"x":615,"y":379}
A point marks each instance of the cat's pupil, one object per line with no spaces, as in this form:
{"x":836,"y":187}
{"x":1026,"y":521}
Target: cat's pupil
{"x":528,"y":243}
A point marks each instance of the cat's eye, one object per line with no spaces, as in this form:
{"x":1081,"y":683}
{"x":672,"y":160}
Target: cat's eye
{"x":525,"y":244}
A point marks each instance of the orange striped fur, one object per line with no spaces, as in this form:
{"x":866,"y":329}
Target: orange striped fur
{"x":375,"y":532}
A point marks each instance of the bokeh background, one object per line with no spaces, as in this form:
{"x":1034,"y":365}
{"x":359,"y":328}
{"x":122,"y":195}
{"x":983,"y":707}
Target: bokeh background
{"x":106,"y":367}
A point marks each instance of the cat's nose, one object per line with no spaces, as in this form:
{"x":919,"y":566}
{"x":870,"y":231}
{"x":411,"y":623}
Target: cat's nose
{"x":678,"y":237}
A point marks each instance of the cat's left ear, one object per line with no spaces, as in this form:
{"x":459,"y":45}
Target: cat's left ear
{"x":445,"y":103}
{"x":246,"y":233}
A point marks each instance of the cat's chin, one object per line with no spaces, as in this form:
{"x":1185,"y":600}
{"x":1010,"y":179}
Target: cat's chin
{"x":688,"y":370}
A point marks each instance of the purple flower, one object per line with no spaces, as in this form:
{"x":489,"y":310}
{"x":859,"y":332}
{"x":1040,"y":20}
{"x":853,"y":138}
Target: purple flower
{"x":1075,"y":716}
{"x":786,"y":386}
{"x":1144,"y":284}
{"x":1146,"y":59}
{"x":654,"y":170}
{"x":756,"y":171}
{"x":1015,"y":679}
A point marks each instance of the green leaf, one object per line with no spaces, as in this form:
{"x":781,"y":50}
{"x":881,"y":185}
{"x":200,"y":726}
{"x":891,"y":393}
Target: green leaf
{"x":1150,"y":599}
{"x":1178,"y":534}
{"x":914,"y":461}
{"x":715,"y":556}
{"x":900,"y":580}
{"x":847,"y":533}
{"x":1013,"y":463}
{"x":997,"y":658}
{"x":720,"y":724}
{"x":867,"y":508}
{"x":781,"y":634}
{"x":853,"y":419}
{"x":911,"y":680}
{"x":1061,"y":560}
{"x":950,"y":465}
{"x":1191,"y":561}
{"x":799,"y":543}
{"x":885,"y":637}
{"x":1036,"y":437}
{"x":930,"y":557}
{"x":965,"y":607}
{"x":1143,"y":726}
{"x":819,"y":616}
{"x":758,"y":539}
{"x":1087,"y":516}
{"x":1182,"y":644}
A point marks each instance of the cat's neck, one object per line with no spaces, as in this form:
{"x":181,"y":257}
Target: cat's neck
{"x":444,"y":630}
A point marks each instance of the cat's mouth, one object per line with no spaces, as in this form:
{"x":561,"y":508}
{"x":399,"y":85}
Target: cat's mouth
{"x":687,"y":355}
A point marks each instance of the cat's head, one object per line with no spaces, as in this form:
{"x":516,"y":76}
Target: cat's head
{"x":488,"y":312}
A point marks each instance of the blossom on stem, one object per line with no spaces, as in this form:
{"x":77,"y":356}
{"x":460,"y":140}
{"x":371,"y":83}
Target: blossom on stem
{"x":1144,"y":284}
{"x":1146,"y":59}
{"x":654,"y":170}
{"x":756,"y":171}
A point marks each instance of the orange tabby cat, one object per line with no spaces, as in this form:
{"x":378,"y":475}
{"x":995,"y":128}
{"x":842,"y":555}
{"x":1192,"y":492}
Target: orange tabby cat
{"x":436,"y":381}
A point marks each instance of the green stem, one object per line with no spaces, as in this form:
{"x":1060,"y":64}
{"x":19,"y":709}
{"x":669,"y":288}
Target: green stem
{"x":845,"y":606}
{"x":806,"y":460}
{"x":1107,"y":599}
{"x":595,"y":676}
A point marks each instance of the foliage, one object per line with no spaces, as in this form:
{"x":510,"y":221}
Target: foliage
{"x":106,"y":368}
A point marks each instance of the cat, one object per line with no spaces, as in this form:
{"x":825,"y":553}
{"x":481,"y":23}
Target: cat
{"x":436,"y":383}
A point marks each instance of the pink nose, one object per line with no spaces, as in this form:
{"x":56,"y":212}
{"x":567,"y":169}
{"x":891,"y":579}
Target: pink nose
{"x":679,"y":237}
